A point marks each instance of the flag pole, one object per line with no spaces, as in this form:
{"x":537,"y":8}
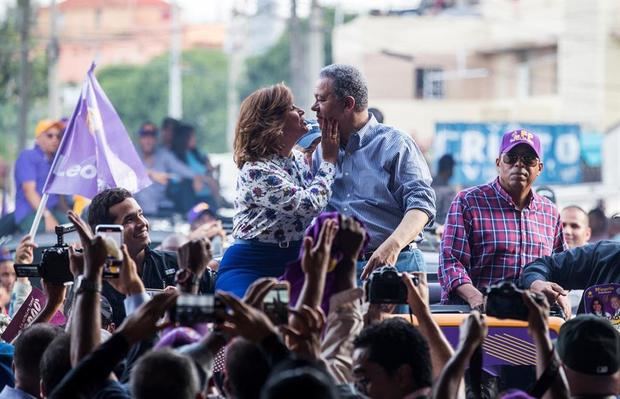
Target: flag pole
{"x":37,"y":216}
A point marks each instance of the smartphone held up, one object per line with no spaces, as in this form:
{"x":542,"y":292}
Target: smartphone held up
{"x":113,"y":237}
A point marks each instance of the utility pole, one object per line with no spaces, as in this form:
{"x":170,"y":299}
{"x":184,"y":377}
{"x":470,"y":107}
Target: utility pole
{"x":316,"y":52}
{"x":53,"y":97}
{"x":297,"y":65}
{"x":236,"y":49}
{"x":24,"y":72}
{"x":175,"y":94}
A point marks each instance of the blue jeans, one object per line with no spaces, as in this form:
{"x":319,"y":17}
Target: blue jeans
{"x":408,"y":261}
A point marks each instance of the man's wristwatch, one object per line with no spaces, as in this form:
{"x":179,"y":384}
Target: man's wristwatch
{"x":84,"y":285}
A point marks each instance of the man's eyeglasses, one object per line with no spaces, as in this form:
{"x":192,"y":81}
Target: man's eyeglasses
{"x":527,"y":159}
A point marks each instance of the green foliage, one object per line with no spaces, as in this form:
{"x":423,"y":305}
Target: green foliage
{"x":140,"y":93}
{"x":9,"y":84}
{"x":273,"y":66}
{"x":267,"y":69}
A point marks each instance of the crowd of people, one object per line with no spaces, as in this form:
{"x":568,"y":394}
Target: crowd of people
{"x":352,"y":205}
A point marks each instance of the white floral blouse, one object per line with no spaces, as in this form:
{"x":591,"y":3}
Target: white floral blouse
{"x":277,"y":198}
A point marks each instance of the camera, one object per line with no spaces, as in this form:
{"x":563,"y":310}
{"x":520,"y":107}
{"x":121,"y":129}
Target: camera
{"x":191,"y":309}
{"x":54,"y":266}
{"x":385,"y":286}
{"x":505,"y":301}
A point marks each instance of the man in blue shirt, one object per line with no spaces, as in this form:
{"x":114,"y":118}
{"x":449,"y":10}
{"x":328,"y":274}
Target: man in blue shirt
{"x":31,"y":170}
{"x":381,"y":176}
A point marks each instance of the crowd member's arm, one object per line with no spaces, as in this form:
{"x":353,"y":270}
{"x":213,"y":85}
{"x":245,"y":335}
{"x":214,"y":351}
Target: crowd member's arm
{"x":193,"y":258}
{"x":412,"y":184}
{"x":344,"y":321}
{"x":407,"y":231}
{"x":55,"y":296}
{"x":86,"y":320}
{"x":203,"y":353}
{"x":569,"y":269}
{"x":254,"y":325}
{"x":175,"y":166}
{"x":417,"y":298}
{"x":538,"y":328}
{"x":24,"y":255}
{"x":96,"y":367}
{"x":473,"y":332}
{"x":314,"y":263}
{"x":455,"y":255}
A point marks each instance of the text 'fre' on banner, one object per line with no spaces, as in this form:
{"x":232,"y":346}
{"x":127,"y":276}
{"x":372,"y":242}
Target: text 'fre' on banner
{"x":475,"y":147}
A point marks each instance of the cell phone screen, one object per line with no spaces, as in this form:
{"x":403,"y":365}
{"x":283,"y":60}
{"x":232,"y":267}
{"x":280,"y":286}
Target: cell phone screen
{"x":276,"y":302}
{"x":114,"y":261}
{"x":114,"y":231}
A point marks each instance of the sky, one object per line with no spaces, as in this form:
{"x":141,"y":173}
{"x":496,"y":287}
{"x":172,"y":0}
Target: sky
{"x":214,"y":10}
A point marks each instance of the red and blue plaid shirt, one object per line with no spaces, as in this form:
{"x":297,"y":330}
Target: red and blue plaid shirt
{"x":487,"y":239}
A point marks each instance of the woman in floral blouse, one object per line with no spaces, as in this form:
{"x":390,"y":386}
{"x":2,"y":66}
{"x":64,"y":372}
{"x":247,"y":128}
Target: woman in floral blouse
{"x":277,"y":195}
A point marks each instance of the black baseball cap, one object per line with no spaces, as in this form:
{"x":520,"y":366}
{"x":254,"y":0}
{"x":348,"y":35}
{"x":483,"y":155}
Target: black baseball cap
{"x":589,"y":344}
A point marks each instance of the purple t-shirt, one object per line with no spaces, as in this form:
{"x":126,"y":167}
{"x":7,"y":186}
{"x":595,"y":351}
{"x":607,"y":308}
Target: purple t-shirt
{"x":31,"y":165}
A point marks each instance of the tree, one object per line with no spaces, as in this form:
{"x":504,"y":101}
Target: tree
{"x":140,"y":93}
{"x":9,"y":98}
{"x":272,"y":66}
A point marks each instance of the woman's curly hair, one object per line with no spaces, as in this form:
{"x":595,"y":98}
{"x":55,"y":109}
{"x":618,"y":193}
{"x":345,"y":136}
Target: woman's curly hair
{"x":261,"y":120}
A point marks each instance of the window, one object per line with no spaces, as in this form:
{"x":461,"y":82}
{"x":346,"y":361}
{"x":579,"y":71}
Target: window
{"x":429,"y":83}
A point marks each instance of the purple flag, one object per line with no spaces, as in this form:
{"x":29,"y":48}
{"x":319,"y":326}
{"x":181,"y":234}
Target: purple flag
{"x":95,"y":153}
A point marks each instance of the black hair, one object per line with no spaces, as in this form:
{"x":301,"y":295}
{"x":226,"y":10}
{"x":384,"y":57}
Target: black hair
{"x":378,"y":114}
{"x":99,"y":208}
{"x":164,"y":374}
{"x":55,"y":362}
{"x":29,"y":348}
{"x":169,"y":123}
{"x":181,"y":134}
{"x":393,"y":343}
{"x":445,"y":163}
{"x":247,"y":369}
{"x":305,"y":382}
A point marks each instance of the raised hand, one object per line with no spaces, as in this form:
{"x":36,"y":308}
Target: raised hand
{"x":256,"y":292}
{"x":473,"y":330}
{"x":244,"y":320}
{"x":417,"y":291}
{"x":305,"y":338}
{"x":350,"y":237}
{"x":194,"y":255}
{"x":143,"y":323}
{"x":128,"y":281}
{"x":315,"y":260}
{"x":330,"y":140}
{"x":24,"y":253}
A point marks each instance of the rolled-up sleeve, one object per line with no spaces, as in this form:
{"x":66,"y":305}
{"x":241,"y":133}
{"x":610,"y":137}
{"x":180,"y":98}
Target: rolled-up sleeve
{"x":455,"y":252}
{"x":412,"y":180}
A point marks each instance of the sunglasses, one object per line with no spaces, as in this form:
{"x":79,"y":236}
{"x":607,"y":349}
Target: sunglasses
{"x":527,"y":159}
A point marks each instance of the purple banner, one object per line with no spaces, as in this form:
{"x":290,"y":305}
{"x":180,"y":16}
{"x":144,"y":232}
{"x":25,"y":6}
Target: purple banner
{"x":96,"y":152}
{"x":31,"y":307}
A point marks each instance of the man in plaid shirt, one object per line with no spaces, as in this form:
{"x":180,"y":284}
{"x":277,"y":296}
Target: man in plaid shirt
{"x":494,"y":229}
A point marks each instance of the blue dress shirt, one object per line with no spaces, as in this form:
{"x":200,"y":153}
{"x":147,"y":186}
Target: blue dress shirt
{"x":381,"y":174}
